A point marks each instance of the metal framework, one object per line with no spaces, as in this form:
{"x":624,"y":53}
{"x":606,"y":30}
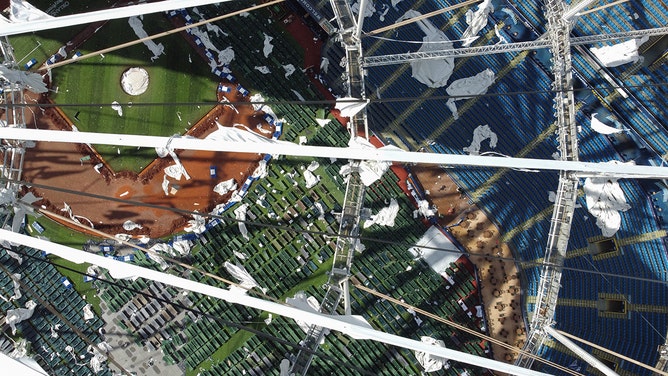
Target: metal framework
{"x":558,"y":31}
{"x":346,"y":242}
{"x":379,"y":60}
{"x":12,"y":115}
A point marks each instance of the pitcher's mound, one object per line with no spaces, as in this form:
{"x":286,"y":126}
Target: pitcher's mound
{"x":135,"y":81}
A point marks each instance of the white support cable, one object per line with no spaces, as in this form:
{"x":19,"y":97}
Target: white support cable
{"x":101,"y":15}
{"x":580,"y":352}
{"x":575,"y":9}
{"x":385,"y":154}
{"x":119,"y":269}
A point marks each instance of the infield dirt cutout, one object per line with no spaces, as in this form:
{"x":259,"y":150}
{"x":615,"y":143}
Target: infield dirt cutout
{"x":109,"y":198}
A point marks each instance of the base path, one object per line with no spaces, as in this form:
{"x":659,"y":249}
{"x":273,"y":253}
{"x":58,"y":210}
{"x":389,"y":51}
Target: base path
{"x":72,"y":167}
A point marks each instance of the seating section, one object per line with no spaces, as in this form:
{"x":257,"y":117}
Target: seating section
{"x":43,"y":283}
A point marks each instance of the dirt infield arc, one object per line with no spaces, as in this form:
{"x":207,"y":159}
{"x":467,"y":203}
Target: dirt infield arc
{"x":71,"y":166}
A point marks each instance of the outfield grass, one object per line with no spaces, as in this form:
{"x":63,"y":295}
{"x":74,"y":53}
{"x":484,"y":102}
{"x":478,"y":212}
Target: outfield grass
{"x":87,"y":88}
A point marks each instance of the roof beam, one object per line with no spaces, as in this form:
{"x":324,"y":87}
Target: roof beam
{"x":267,"y":146}
{"x":101,"y":15}
{"x":119,"y":269}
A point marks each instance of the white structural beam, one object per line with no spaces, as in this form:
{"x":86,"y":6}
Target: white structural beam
{"x":384,"y":154}
{"x":101,"y":15}
{"x":580,"y":352}
{"x":360,"y":19}
{"x":119,"y":269}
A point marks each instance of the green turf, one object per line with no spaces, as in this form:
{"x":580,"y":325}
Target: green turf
{"x":87,"y":88}
{"x":41,"y":45}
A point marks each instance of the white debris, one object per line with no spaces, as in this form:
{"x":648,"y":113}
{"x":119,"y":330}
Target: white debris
{"x":211,"y":27}
{"x":321,"y":210}
{"x":100,"y":353}
{"x":431,"y":363}
{"x":601,"y":127}
{"x":620,"y":53}
{"x":605,"y":199}
{"x":181,"y":247}
{"x":311,"y":179}
{"x":62,"y":51}
{"x":240,"y":255}
{"x":88,"y":312}
{"x":136,"y":25}
{"x":226,"y":56}
{"x":385,"y":216}
{"x":123,"y":237}
{"x":226,"y":186}
{"x":510,"y":14}
{"x":117,"y":107}
{"x":324,"y":64}
{"x":261,"y":170}
{"x":349,"y":107}
{"x":433,"y":72}
{"x":12,"y":254}
{"x":467,"y":87}
{"x":480,"y":134}
{"x":289,"y":70}
{"x":263,"y":69}
{"x":159,"y":260}
{"x":369,"y":171}
{"x":15,"y":316}
{"x":476,"y":21}
{"x":240,"y":273}
{"x":240,"y":215}
{"x":33,"y":81}
{"x":268,"y":47}
{"x":93,"y":270}
{"x":368,"y":11}
{"x":20,"y":349}
{"x":395,"y":3}
{"x":323,"y":122}
{"x":299,"y":96}
{"x":130,"y":225}
{"x":54,"y":330}
{"x":176,"y":170}
{"x":22,"y":11}
{"x":196,"y":225}
{"x":424,"y":209}
{"x":497,"y":32}
{"x":165,"y":185}
{"x":16,"y":279}
{"x":383,"y":12}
